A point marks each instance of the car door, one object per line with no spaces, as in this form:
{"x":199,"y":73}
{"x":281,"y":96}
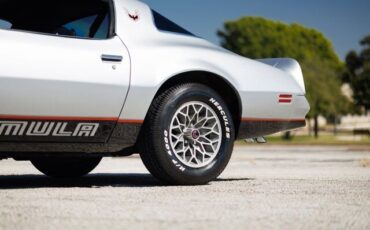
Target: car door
{"x":62,"y":87}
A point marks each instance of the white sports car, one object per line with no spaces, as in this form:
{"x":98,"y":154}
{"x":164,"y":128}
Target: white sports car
{"x":85,"y":79}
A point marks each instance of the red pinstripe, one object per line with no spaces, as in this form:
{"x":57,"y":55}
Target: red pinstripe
{"x":61,"y":118}
{"x":126,"y":121}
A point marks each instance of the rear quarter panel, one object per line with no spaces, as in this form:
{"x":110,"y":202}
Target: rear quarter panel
{"x":158,"y":56}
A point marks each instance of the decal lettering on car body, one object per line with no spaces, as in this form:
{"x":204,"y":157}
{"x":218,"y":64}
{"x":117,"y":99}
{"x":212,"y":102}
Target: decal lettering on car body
{"x":41,"y":128}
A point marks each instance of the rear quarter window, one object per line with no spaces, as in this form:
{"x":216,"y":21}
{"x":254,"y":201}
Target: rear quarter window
{"x":164,"y":24}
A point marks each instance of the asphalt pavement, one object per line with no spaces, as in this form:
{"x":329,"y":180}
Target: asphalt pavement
{"x":264,"y":187}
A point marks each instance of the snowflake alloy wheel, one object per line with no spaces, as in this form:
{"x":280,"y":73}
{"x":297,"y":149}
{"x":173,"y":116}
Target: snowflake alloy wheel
{"x":196,"y":134}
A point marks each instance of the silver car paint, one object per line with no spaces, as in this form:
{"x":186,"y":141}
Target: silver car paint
{"x":157,"y":56}
{"x":43,"y":75}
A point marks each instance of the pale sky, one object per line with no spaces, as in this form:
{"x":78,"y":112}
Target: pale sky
{"x":344,"y":22}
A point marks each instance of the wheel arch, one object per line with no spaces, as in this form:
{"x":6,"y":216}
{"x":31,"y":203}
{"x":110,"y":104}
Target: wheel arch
{"x":221,"y":85}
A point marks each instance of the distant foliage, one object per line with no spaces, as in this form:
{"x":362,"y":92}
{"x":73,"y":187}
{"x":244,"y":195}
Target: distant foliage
{"x":256,"y":37}
{"x":358,"y":74}
{"x":261,"y":38}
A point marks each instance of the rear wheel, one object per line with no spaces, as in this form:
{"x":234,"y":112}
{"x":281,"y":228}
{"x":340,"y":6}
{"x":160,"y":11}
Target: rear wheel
{"x":188,"y":135}
{"x":66,"y":167}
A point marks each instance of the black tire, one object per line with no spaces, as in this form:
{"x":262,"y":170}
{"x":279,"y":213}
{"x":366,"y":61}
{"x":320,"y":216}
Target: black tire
{"x":60,"y":167}
{"x":158,"y":156}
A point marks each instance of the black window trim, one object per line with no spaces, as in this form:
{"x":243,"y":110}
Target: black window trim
{"x":112,"y":27}
{"x":112,"y":17}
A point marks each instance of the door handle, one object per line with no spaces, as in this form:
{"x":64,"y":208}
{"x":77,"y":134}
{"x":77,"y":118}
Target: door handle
{"x":111,"y":58}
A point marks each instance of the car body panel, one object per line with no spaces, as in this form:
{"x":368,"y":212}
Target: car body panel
{"x":57,"y":73}
{"x":48,"y":77}
{"x":165,"y":55}
{"x":271,"y":91}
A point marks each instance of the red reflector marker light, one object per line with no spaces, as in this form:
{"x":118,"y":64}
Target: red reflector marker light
{"x":285,"y":98}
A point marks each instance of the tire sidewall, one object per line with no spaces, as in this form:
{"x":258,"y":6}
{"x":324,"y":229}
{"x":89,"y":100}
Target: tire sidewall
{"x":60,"y":167}
{"x":171,"y":164}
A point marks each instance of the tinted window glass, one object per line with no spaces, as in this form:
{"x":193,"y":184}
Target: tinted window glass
{"x":5,"y":24}
{"x":77,"y":18}
{"x":164,"y":24}
{"x":103,"y":31}
{"x":80,"y":27}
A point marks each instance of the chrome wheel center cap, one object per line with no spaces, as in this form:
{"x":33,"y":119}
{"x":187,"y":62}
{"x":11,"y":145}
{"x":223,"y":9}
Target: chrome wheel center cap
{"x":195,"y":134}
{"x":191,"y":134}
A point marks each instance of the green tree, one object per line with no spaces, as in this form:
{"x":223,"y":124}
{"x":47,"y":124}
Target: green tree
{"x":256,"y":37}
{"x":358,"y":74}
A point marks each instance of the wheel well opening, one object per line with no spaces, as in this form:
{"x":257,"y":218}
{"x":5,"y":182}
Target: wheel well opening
{"x":227,"y":92}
